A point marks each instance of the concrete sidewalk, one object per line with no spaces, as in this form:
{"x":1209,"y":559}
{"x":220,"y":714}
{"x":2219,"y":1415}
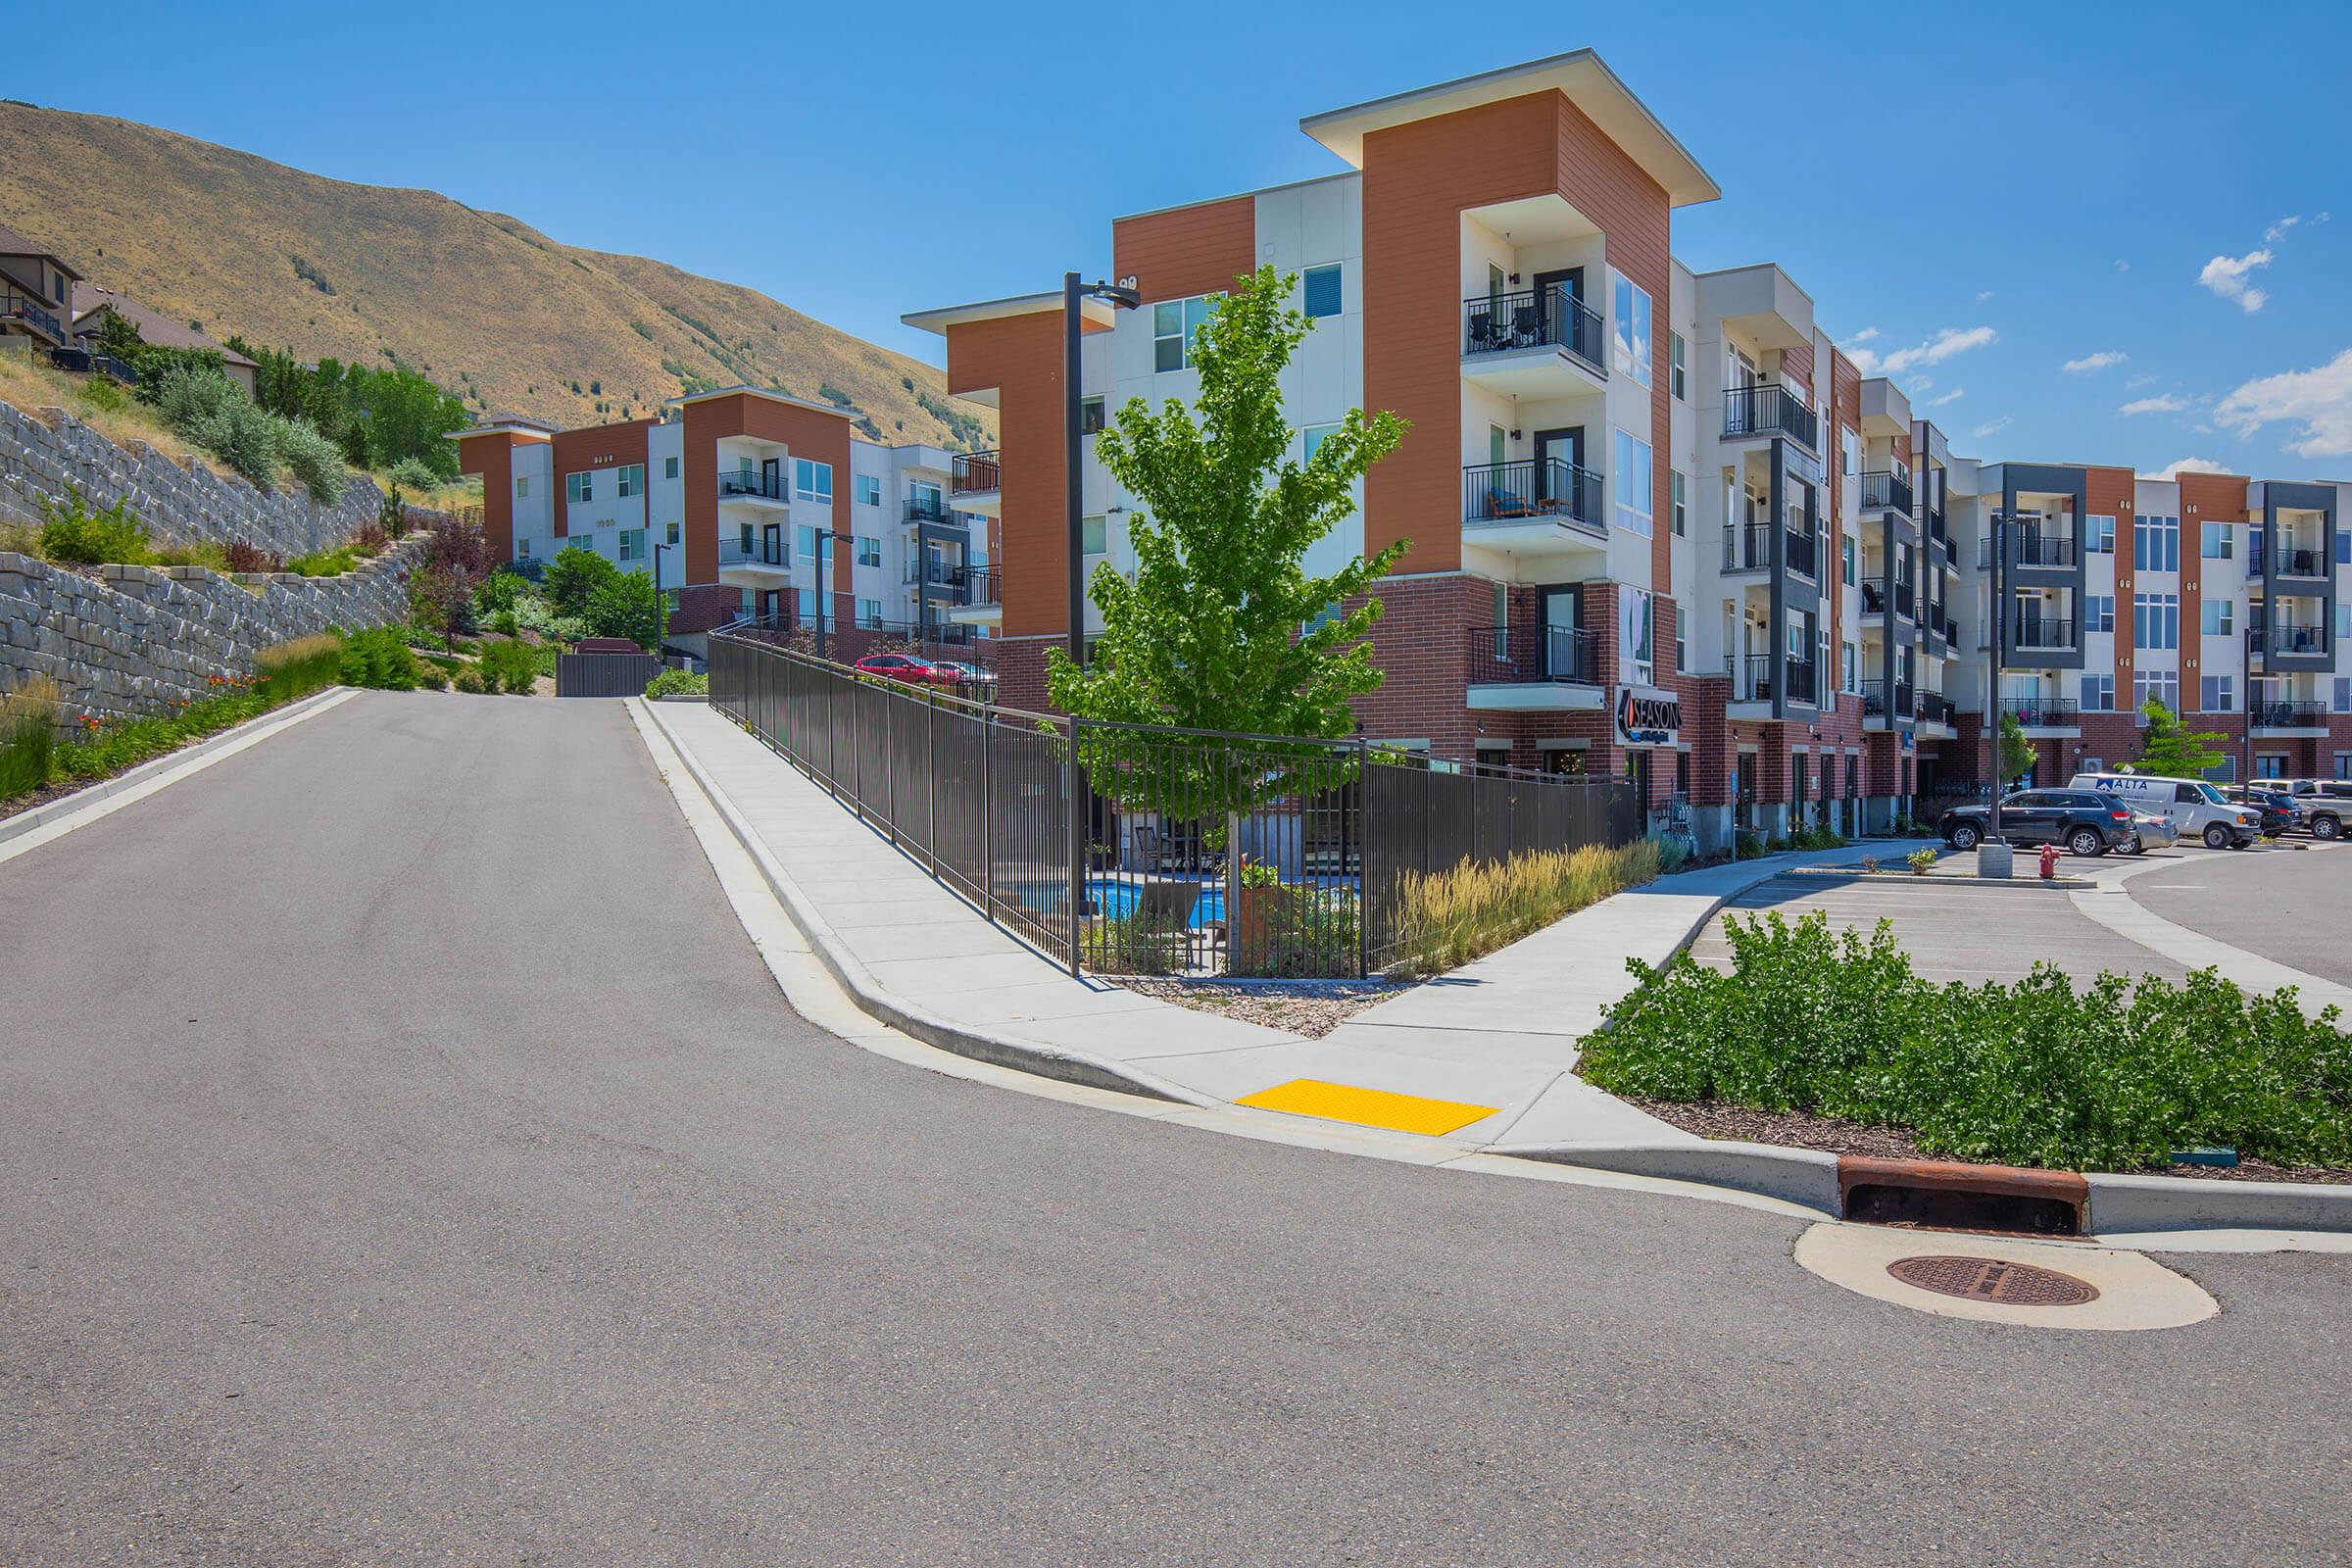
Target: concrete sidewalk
{"x":1477,"y":1058}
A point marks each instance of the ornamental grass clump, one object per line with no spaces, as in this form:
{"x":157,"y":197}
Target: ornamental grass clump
{"x":28,"y":735}
{"x":1446,"y":918}
{"x":297,"y":667}
{"x":2112,"y":1076}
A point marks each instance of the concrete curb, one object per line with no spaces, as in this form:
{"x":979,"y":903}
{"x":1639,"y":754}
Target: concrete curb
{"x":1004,"y":1050}
{"x":89,"y":795}
{"x":1935,"y":879}
{"x":1793,"y":1175}
{"x":2127,"y":1203}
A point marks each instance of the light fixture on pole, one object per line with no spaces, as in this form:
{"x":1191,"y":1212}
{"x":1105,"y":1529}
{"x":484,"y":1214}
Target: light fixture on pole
{"x":1122,"y":296}
{"x":824,"y":536}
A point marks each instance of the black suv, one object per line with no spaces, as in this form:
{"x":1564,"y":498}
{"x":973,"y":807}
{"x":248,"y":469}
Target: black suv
{"x":2085,"y":821}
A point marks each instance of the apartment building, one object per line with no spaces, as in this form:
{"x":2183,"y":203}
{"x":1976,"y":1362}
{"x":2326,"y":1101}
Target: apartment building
{"x":1659,"y":524}
{"x":742,"y":502}
{"x":36,"y":295}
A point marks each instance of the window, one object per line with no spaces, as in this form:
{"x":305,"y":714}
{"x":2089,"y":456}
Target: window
{"x":2216,"y":543}
{"x":1097,"y":537}
{"x":870,"y":612}
{"x":869,"y":551}
{"x":2100,"y":532}
{"x":1631,"y":324}
{"x":669,"y":467}
{"x":1090,"y":414}
{"x":1635,"y":613}
{"x":1634,"y":483}
{"x":1682,"y":503}
{"x":2223,"y":771}
{"x":1849,"y":670}
{"x":2343,"y":621}
{"x":1173,"y":323}
{"x":2219,"y":616}
{"x":1677,"y":365}
{"x":579,"y":487}
{"x":2156,"y":544}
{"x":1313,"y":436}
{"x":2098,"y":612}
{"x":2217,"y":695}
{"x":2161,"y":685}
{"x":669,"y":534}
{"x":2155,"y":621}
{"x":807,"y":598}
{"x":2343,"y":547}
{"x":806,"y":540}
{"x":1682,"y":636}
{"x":523,"y":486}
{"x":811,"y":480}
{"x":2099,"y":695}
{"x":1846,"y":550}
{"x":868,"y":489}
{"x":1322,"y":291}
{"x":1849,"y":451}
{"x":632,"y":544}
{"x":523,"y":550}
{"x":2342,"y":702}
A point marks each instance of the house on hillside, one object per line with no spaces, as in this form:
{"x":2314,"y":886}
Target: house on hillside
{"x":89,"y":300}
{"x":36,"y":295}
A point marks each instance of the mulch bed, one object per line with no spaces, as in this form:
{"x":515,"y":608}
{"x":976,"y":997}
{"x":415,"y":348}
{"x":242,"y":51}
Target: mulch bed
{"x":43,"y":795}
{"x":1309,"y":1007}
{"x":1796,"y":1129}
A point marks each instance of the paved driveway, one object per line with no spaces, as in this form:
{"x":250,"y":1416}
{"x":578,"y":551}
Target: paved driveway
{"x":2289,"y":905}
{"x":404,"y":1156}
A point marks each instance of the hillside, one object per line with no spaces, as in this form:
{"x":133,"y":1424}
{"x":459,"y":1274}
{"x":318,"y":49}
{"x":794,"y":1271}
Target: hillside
{"x":483,"y":303}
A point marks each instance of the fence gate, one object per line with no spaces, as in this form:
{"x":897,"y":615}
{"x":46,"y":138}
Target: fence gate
{"x":605,"y":674}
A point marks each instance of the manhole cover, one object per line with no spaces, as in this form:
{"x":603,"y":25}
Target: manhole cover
{"x":1989,"y":1279}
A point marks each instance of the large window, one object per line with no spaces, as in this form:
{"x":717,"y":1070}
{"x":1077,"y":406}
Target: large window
{"x":811,"y":480}
{"x":869,"y":551}
{"x":2156,"y":543}
{"x":2163,"y":685}
{"x":1312,"y":436}
{"x":2100,"y":532}
{"x":1090,"y":414}
{"x":1173,"y":323}
{"x":1848,"y":668}
{"x":1682,"y":503}
{"x":2098,"y":612}
{"x":1095,"y":534}
{"x":2215,"y":542}
{"x":806,"y":539}
{"x":632,"y":544}
{"x":869,"y":612}
{"x":1677,"y":365}
{"x":2155,"y":621}
{"x":1322,"y":291}
{"x":1850,"y":449}
{"x":628,"y":480}
{"x":1629,"y":311}
{"x":2219,"y":618}
{"x":2218,"y":695}
{"x":1636,"y":483}
{"x":2098,"y":694}
{"x":579,"y":487}
{"x":869,"y":490}
{"x":1636,"y":621}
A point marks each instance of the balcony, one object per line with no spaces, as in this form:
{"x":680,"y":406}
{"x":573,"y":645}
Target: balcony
{"x":1938,"y":624}
{"x":32,"y":316}
{"x":2035,"y":551}
{"x":752,"y":486}
{"x":754,"y":559}
{"x":1768,"y":409}
{"x":2289,"y":639}
{"x":976,"y":482}
{"x":2291,"y":714}
{"x":1747,"y":547}
{"x":2290,"y":559}
{"x":1530,"y":668}
{"x":1533,"y":505}
{"x":1935,"y":709}
{"x":1885,"y":492}
{"x":1803,"y":554}
{"x":2043,"y":712}
{"x":1753,"y":676}
{"x":1876,"y":706}
{"x":981,"y":597}
{"x":1534,"y":343}
{"x":1874,"y":597}
{"x":2037,"y":633}
{"x":1906,"y":601}
{"x":930,"y":511}
{"x":92,"y":362}
{"x":1931,"y":517}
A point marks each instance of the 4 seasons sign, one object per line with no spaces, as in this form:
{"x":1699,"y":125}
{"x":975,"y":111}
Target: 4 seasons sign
{"x":1647,"y":717}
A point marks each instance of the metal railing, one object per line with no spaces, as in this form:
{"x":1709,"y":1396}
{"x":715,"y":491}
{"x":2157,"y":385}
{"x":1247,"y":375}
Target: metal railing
{"x":1874,"y":596}
{"x":2036,"y":631}
{"x":1519,"y":655}
{"x":1803,"y":554}
{"x":1533,"y":318}
{"x":2032,"y":550}
{"x":2290,"y":559}
{"x":1545,"y":489}
{"x":1753,"y":676}
{"x":1747,"y":547}
{"x":1875,"y":704}
{"x":1906,"y":601}
{"x":2292,"y":715}
{"x":82,"y":361}
{"x":24,"y":308}
{"x":1934,"y":707}
{"x":2288,"y":637}
{"x":1144,"y":849}
{"x":974,"y":473}
{"x":983,"y":585}
{"x":1883,"y":491}
{"x":764,"y":548}
{"x":922,"y":509}
{"x":2042,"y":711}
{"x":1769,"y":410}
{"x":1932,"y":516}
{"x":734,"y":483}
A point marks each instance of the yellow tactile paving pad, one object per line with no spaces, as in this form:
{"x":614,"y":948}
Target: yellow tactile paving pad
{"x":1369,"y":1107}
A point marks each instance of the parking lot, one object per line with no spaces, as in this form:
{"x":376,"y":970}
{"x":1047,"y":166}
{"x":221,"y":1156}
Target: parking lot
{"x":2292,"y":905}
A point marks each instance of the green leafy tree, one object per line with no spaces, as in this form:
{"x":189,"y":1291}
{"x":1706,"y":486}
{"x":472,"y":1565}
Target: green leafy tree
{"x":2166,"y":747}
{"x":572,"y":578}
{"x":2017,"y":752}
{"x":628,"y":604}
{"x":1208,"y":635}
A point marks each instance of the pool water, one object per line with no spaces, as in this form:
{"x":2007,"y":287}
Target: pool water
{"x":1117,"y":900}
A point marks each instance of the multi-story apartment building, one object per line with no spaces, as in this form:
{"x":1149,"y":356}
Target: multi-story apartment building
{"x":753,"y":503}
{"x":1659,"y":524}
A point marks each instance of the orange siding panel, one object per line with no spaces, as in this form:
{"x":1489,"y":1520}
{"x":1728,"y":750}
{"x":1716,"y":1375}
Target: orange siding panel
{"x":1193,"y":250}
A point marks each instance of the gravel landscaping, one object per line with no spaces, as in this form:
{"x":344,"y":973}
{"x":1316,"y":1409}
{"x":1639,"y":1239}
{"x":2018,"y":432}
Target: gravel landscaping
{"x":1309,"y":1007}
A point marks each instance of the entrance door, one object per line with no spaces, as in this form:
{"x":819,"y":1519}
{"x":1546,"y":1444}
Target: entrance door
{"x":1637,"y":769}
{"x":1559,"y":326}
{"x":771,"y":477}
{"x":1561,"y":609}
{"x":1559,"y":461}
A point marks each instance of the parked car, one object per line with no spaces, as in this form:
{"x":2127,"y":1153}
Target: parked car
{"x":2152,"y":831}
{"x":2198,"y":809}
{"x":2085,"y":821}
{"x":900,"y":667}
{"x":2277,"y":808}
{"x":2326,"y":804}
{"x":971,"y":678}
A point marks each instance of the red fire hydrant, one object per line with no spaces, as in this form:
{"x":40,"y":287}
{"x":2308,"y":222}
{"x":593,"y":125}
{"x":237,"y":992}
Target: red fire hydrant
{"x":2049,"y":861}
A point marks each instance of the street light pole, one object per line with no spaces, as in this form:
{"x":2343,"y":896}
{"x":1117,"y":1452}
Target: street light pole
{"x":824,"y":537}
{"x":1992,"y":690}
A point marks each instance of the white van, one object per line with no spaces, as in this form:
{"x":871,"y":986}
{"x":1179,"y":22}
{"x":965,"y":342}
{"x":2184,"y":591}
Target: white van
{"x":2192,"y":805}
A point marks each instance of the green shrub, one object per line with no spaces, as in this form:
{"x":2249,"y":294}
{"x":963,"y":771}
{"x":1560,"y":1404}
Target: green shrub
{"x":1672,"y":853}
{"x":1921,"y":861}
{"x":1446,"y":918}
{"x":572,"y":578}
{"x":499,"y":591}
{"x":2112,"y":1077}
{"x":431,"y":677}
{"x":325,"y":563}
{"x":467,"y":679}
{"x":412,"y":474}
{"x":209,"y":411}
{"x":678,"y":683}
{"x":27,"y":736}
{"x":378,"y":658}
{"x":628,"y":606}
{"x":425,"y":638}
{"x":506,"y":623}
{"x":311,"y":458}
{"x":72,"y":535}
{"x":1136,"y":944}
{"x":508,"y":666}
{"x":297,"y":667}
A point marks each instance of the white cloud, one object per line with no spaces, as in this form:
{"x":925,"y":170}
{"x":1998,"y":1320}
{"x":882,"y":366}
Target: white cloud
{"x":2121,"y":265}
{"x":2093,"y":362}
{"x":2138,"y":382}
{"x":1951,"y":397}
{"x":1934,"y":350}
{"x":1865,"y":335}
{"x":2319,"y":400}
{"x":2225,"y":275}
{"x":1982,"y":297}
{"x":2165,"y":404}
{"x":2181,"y":465}
{"x":2277,"y":231}
{"x":1992,"y":428}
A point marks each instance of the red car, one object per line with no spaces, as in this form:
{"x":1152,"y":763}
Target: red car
{"x":897,"y":666}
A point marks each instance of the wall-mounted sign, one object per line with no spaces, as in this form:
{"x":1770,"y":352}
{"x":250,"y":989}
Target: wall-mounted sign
{"x":1647,"y":717}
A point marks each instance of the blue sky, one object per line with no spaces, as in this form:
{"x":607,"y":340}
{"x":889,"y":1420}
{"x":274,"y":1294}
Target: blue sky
{"x":1980,"y":198}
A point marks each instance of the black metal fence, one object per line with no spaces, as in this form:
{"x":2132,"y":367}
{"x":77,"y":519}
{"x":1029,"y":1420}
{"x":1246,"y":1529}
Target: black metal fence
{"x":605,"y":674}
{"x":1144,"y":849}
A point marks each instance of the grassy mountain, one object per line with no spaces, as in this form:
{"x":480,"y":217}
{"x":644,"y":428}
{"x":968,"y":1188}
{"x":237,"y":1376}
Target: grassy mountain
{"x":486,"y":305}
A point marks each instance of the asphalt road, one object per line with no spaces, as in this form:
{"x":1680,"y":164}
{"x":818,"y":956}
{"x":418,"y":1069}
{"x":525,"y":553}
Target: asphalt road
{"x":2291,"y":906}
{"x":404,"y":1157}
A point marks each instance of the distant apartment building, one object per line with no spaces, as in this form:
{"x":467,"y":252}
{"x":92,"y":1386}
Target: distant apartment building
{"x":749,"y":503}
{"x":1659,"y":525}
{"x":36,"y":295}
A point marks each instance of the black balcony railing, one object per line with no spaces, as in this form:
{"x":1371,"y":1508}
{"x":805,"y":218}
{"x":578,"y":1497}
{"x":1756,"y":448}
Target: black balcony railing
{"x":762,"y":549}
{"x":1804,"y":554}
{"x":764,"y":486}
{"x":1769,"y":409}
{"x":1532,"y":488}
{"x":1932,"y":516}
{"x":2290,"y":559}
{"x":88,"y":362}
{"x":1754,"y":676}
{"x":33,"y":314}
{"x":1875,"y":704}
{"x":1906,"y":601}
{"x":2042,"y":711}
{"x":1885,"y":492}
{"x":1935,"y":621}
{"x":2040,"y":631}
{"x":2288,"y":637}
{"x":1934,"y":707}
{"x":1535,"y":318}
{"x":1874,"y":597}
{"x":1518,"y":655}
{"x":2037,"y":549}
{"x":2290,"y":716}
{"x":1747,"y":547}
{"x":974,"y":473}
{"x":983,"y":585}
{"x":930,"y":510}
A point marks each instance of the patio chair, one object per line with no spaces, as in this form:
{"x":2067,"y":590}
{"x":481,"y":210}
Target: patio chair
{"x":1527,"y":326}
{"x":1505,"y":503}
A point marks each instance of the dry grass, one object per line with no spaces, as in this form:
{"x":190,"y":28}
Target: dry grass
{"x":32,"y":386}
{"x":1446,"y":918}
